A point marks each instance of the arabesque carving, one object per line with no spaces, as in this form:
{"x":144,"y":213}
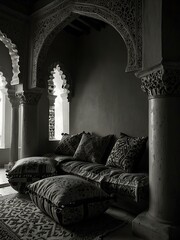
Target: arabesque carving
{"x":29,"y":97}
{"x":13,"y":52}
{"x":163,"y":80}
{"x":124,"y":16}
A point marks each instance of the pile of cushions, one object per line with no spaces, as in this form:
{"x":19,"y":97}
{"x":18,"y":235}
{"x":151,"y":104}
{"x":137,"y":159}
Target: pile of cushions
{"x":68,"y":198}
{"x":125,"y":154}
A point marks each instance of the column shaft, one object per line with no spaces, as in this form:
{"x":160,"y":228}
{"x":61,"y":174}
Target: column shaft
{"x":14,"y":134}
{"x":164,"y":163}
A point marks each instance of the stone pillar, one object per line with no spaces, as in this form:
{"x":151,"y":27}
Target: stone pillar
{"x":14,"y":125}
{"x":29,"y":122}
{"x":162,"y":220}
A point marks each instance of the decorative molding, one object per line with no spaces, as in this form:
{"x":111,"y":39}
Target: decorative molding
{"x":161,"y":81}
{"x":124,"y":16}
{"x":29,"y":97}
{"x":13,"y":52}
{"x":14,"y":100}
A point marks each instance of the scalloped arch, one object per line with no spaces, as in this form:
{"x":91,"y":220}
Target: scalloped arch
{"x":13,"y":52}
{"x":65,"y":84}
{"x":130,"y":29}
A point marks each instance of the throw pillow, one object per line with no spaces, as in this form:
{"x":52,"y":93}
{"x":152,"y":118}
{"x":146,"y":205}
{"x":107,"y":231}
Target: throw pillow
{"x":68,"y":144}
{"x":29,"y":170}
{"x":68,"y":199}
{"x":92,"y":148}
{"x":126,"y":152}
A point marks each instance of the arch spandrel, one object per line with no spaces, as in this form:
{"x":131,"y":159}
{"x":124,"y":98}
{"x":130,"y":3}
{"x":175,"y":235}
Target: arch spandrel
{"x":124,"y":16}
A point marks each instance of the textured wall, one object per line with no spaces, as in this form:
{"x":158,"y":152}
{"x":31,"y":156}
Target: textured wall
{"x":106,"y":99}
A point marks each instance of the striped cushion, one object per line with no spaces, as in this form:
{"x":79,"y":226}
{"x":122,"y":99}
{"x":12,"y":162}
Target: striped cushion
{"x":29,"y":170}
{"x":68,"y":199}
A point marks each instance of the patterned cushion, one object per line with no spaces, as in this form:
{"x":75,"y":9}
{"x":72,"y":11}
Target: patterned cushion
{"x":92,"y":148}
{"x":68,"y":199}
{"x":68,"y":144}
{"x":126,"y":152}
{"x":131,"y":186}
{"x":29,"y":170}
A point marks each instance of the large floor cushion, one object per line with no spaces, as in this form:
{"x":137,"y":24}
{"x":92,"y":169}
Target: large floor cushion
{"x":68,"y":199}
{"x":29,"y":170}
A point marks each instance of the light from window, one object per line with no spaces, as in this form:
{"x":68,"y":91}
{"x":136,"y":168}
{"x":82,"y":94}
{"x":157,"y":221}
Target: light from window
{"x":59,"y":107}
{"x":2,"y":109}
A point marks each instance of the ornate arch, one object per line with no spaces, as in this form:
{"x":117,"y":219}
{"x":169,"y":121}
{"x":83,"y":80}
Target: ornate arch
{"x":124,"y":16}
{"x":65,"y":84}
{"x":13,"y":52}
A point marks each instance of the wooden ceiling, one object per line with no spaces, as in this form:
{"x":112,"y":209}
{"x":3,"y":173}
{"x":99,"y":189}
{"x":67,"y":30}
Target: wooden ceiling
{"x":83,"y":25}
{"x":78,"y":27}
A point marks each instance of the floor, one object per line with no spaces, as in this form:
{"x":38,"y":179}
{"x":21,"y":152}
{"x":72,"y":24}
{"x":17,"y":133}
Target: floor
{"x":124,"y":233}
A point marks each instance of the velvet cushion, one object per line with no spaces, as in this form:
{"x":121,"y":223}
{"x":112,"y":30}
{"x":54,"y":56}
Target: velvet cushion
{"x":68,"y":199}
{"x":29,"y":170}
{"x":126,"y":152}
{"x":68,"y":144}
{"x":92,"y":148}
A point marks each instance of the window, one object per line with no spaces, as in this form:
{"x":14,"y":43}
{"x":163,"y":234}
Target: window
{"x":5,"y":112}
{"x":58,"y":91}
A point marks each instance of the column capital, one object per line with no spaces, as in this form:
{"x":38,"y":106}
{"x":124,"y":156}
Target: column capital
{"x":162,"y":80}
{"x":29,"y":97}
{"x":12,"y":96}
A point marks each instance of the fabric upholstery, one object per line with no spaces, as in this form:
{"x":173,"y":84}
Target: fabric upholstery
{"x":28,"y":170}
{"x":68,"y":199}
{"x":68,"y":144}
{"x":126,"y":152}
{"x":90,"y":171}
{"x":133,"y":186}
{"x":92,"y":148}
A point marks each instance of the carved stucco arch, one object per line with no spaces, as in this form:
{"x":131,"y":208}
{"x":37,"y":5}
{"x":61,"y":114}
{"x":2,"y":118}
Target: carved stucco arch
{"x":13,"y":52}
{"x":65,"y":84}
{"x":127,"y":22}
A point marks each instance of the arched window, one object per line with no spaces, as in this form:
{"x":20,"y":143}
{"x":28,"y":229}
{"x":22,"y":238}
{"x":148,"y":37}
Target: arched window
{"x":58,"y":91}
{"x":5,"y":114}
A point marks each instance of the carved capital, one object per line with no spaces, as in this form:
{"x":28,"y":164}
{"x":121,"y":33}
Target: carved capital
{"x":161,"y":81}
{"x":14,"y":100}
{"x":29,"y":97}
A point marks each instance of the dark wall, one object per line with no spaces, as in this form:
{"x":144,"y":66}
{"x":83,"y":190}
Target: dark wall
{"x":105,"y":99}
{"x":5,"y":62}
{"x":152,"y":54}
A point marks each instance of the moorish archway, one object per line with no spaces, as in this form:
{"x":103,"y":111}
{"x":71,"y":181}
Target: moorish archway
{"x":124,"y":16}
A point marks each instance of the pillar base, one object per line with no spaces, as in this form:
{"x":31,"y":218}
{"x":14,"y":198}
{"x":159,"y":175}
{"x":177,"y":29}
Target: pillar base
{"x":149,"y":228}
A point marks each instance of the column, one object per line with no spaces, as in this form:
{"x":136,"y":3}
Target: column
{"x":14,"y":125}
{"x":162,"y":220}
{"x":29,"y":122}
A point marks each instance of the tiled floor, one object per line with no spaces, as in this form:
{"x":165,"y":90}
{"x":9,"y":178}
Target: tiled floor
{"x":124,"y":233}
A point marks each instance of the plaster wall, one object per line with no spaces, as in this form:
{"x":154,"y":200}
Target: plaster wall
{"x":152,"y":22}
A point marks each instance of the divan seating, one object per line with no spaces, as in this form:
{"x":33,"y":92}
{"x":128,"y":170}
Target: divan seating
{"x":117,"y":166}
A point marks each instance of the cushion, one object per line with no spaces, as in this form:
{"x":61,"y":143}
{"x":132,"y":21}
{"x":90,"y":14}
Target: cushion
{"x":68,"y":199}
{"x":68,"y":144}
{"x":28,"y":170}
{"x":132,"y":186}
{"x":126,"y":152}
{"x":92,"y":148}
{"x":87,"y":170}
